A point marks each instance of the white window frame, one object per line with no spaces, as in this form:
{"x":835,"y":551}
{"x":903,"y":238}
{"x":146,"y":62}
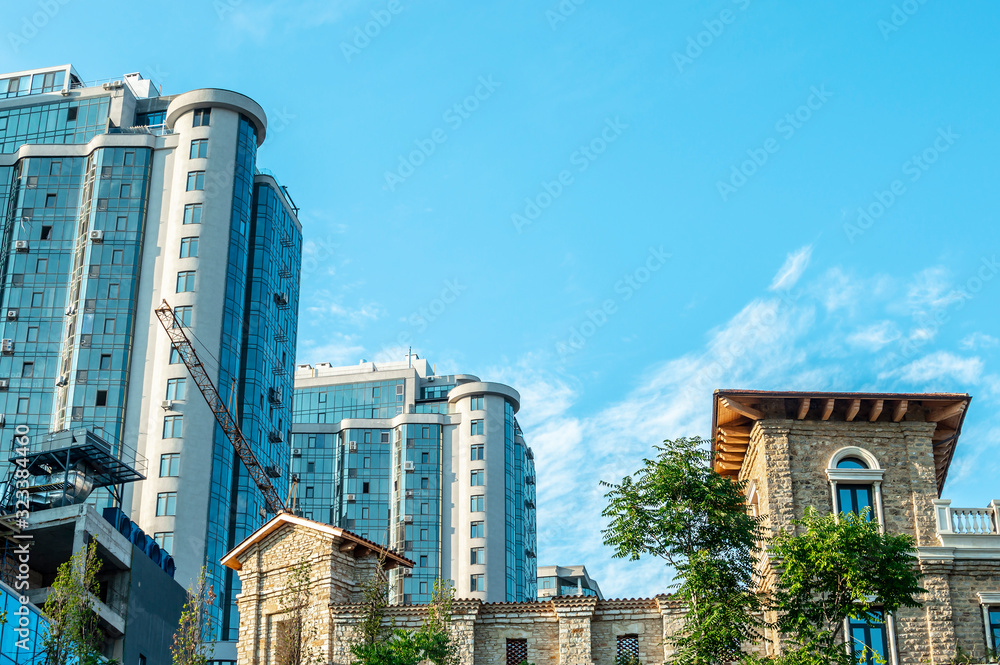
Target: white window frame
{"x":986,"y":601}
{"x":870,"y":476}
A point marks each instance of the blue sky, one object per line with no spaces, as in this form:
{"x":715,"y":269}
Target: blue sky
{"x":630,"y":207}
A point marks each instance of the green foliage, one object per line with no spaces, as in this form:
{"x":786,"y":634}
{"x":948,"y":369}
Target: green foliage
{"x":385,"y":645}
{"x":963,"y":657}
{"x":834,"y":570}
{"x":679,"y":509}
{"x":193,"y":638}
{"x":74,"y":634}
{"x":627,"y":660}
{"x":294,"y":634}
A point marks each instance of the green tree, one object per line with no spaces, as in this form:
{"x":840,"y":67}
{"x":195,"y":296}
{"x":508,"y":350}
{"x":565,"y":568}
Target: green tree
{"x":433,"y":637}
{"x":832,"y":570}
{"x":193,"y":637}
{"x":294,"y":634}
{"x":74,"y":634}
{"x":677,"y":508}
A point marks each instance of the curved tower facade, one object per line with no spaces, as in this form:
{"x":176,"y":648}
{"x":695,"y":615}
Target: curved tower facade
{"x":116,"y":198}
{"x":434,"y":467}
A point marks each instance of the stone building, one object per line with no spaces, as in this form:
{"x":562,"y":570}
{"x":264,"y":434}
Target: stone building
{"x":832,"y":451}
{"x":889,"y":453}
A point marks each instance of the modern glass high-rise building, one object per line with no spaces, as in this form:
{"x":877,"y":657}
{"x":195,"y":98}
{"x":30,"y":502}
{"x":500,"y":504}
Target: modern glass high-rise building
{"x":434,"y":467}
{"x":115,"y":198}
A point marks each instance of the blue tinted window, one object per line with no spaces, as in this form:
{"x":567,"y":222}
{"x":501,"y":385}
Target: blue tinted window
{"x":851,"y":463}
{"x":869,"y":639}
{"x":854,"y":499}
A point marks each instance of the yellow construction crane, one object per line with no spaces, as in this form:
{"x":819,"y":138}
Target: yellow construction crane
{"x":180,"y":341}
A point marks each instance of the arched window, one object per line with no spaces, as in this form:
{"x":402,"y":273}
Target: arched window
{"x":856,"y":483}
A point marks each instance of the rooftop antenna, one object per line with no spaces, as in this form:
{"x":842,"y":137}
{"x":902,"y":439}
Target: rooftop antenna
{"x":409,"y":358}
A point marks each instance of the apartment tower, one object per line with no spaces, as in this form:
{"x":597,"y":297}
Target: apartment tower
{"x":116,"y":198}
{"x":433,"y":467}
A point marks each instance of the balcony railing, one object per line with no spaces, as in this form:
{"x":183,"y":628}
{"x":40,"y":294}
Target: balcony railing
{"x":968,"y":527}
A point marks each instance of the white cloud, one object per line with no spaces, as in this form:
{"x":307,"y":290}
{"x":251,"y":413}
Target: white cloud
{"x":978,"y":340}
{"x":795,"y":264}
{"x":336,"y":348}
{"x":931,"y":290}
{"x":875,"y":336}
{"x":943,"y":366}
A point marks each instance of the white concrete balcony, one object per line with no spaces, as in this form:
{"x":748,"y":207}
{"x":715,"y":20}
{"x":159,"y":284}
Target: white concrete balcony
{"x":968,"y":528}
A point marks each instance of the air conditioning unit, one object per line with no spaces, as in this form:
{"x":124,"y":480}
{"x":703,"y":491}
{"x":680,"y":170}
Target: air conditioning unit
{"x":12,"y":315}
{"x":71,"y":310}
{"x":62,"y":381}
{"x":21,"y":245}
{"x":352,"y":446}
{"x":350,"y":497}
{"x":406,"y":572}
{"x":273,"y":471}
{"x":408,"y":519}
{"x":408,"y":466}
{"x":275,"y":436}
{"x":280,"y":299}
{"x":296,"y":452}
{"x":166,"y":405}
{"x":97,"y":235}
{"x":4,"y":384}
{"x":7,"y":346}
{"x":409,"y":494}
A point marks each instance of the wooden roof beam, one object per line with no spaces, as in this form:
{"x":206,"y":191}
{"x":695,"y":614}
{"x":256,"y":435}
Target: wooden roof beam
{"x":742,"y":409}
{"x":946,"y":412}
{"x":348,"y":546}
{"x":853,"y":408}
{"x":828,"y":408}
{"x":943,"y":433}
{"x":876,"y":410}
{"x":734,"y":434}
{"x":900,"y":410}
{"x":803,"y":408}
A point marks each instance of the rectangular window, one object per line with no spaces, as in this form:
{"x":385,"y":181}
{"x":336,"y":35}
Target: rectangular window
{"x":423,"y":561}
{"x":37,"y":298}
{"x":42,"y":265}
{"x":109,"y":326}
{"x":102,"y":398}
{"x":385,"y":437}
{"x":55,"y":168}
{"x":202,"y":117}
{"x":185,"y":281}
{"x":423,"y":534}
{"x":627,"y":648}
{"x":364,"y":513}
{"x":117,"y":257}
{"x":365,"y":487}
{"x":113,"y":290}
{"x":126,"y":191}
{"x":425,"y":483}
{"x":478,"y":452}
{"x":425,"y":508}
{"x":854,"y":499}
{"x":27,"y":370}
{"x":869,"y":639}
{"x":192,"y":213}
{"x":310,"y":467}
{"x":366,"y":463}
{"x":32,"y":334}
{"x":176,"y":389}
{"x":196,"y":181}
{"x":170,"y":465}
{"x":478,"y":478}
{"x":199,"y":149}
{"x":423,"y":587}
{"x":128,"y":159}
{"x":477,"y":403}
{"x":175,"y":356}
{"x":182,"y":315}
{"x":165,"y":539}
{"x":166,"y":504}
{"x":46,"y":232}
{"x":121,"y":224}
{"x":478,"y":503}
{"x":425,"y":458}
{"x":477,"y":426}
{"x":477,"y":556}
{"x":50,"y":200}
{"x":189,"y":247}
{"x":310,"y":492}
{"x":173,"y":427}
{"x":478,"y":529}
{"x":478,"y":583}
{"x":105,"y":361}
{"x":517,"y":651}
{"x":23,"y":404}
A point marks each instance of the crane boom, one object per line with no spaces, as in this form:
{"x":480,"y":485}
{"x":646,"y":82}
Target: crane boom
{"x":180,"y":341}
